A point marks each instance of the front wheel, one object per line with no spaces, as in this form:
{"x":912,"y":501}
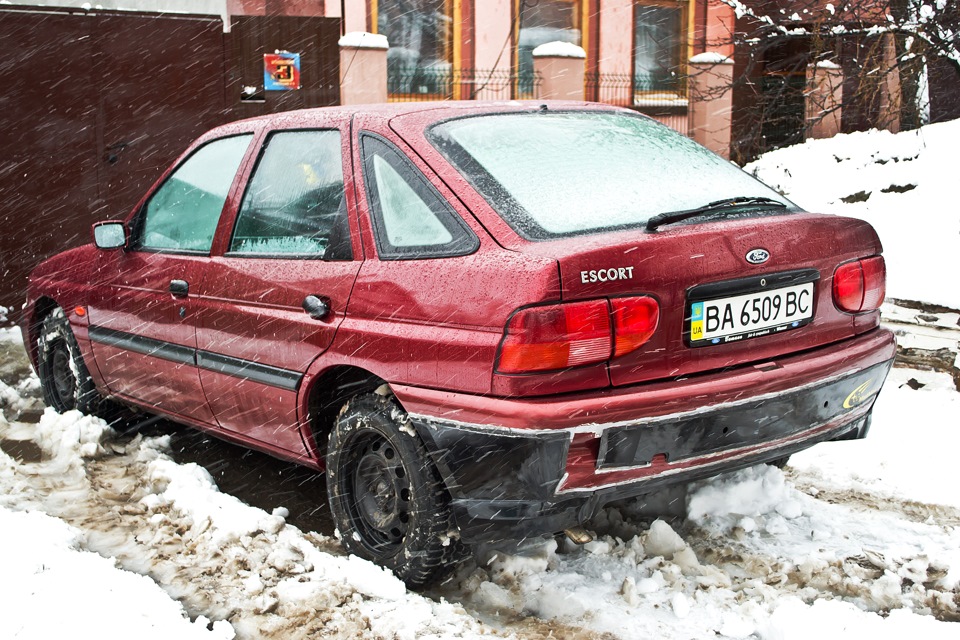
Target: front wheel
{"x":386,"y":496}
{"x":63,"y":375}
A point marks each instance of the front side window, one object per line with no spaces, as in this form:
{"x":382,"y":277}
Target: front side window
{"x":554,"y":174}
{"x":182,"y":214}
{"x":410,"y":219}
{"x":294,"y":203}
{"x":658,"y":43}
{"x":541,"y":22}
{"x":420,"y":34}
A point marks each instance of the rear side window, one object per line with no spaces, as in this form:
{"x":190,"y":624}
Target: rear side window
{"x":183,"y":213}
{"x":294,"y":204}
{"x":410,"y":218}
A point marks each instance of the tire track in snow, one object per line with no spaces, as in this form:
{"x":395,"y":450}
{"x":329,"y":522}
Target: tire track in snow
{"x":920,"y":512}
{"x":216,"y":555}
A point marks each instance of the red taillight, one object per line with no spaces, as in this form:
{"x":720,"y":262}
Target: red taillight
{"x":568,"y":335}
{"x":860,"y":285}
{"x":848,"y":286}
{"x":556,"y":337}
{"x":634,"y":321}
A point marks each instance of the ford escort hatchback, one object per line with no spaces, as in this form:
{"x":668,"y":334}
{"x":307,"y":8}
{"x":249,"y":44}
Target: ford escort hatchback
{"x":483,"y":320}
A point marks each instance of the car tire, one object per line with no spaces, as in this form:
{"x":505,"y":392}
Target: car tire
{"x":66,"y":383}
{"x":388,"y":501}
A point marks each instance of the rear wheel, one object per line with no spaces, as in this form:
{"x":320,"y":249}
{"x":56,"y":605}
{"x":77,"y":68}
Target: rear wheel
{"x":386,"y":495}
{"x":63,"y":376}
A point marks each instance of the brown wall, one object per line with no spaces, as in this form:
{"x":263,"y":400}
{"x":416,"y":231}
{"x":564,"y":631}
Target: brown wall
{"x":315,"y":39}
{"x":97,"y":104}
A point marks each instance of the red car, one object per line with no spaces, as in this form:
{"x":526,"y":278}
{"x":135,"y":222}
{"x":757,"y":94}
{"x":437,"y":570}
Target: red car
{"x":483,"y":320}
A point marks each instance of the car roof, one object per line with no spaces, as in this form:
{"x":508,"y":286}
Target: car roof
{"x":427,"y":112}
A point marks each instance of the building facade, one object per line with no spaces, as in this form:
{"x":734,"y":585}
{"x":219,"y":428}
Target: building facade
{"x":636,"y":50}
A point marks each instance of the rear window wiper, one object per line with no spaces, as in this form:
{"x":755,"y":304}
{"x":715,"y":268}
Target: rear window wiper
{"x":717,"y":205}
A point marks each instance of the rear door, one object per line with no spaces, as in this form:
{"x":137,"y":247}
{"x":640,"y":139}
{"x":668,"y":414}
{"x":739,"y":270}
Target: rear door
{"x":274,"y":299}
{"x":143,"y":309}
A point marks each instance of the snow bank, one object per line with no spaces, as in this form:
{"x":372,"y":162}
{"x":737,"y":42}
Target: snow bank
{"x":742,"y":498}
{"x":794,"y":620}
{"x":277,"y":568}
{"x":51,"y":588}
{"x":218,"y":556}
{"x":842,"y":543}
{"x":903,"y":184}
{"x":910,"y":453}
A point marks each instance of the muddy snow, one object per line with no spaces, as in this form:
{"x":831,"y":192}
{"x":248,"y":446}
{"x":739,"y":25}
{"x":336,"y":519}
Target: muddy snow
{"x":857,"y":539}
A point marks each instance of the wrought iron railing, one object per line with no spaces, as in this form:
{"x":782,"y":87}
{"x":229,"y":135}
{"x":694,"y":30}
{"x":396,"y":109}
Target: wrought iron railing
{"x":663,"y":98}
{"x":415,"y":84}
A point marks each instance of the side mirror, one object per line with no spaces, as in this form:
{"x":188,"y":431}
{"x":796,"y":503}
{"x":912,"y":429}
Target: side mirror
{"x":109,"y":235}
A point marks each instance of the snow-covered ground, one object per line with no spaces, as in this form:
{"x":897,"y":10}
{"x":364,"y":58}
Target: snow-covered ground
{"x":106,"y":535}
{"x":904,"y":185}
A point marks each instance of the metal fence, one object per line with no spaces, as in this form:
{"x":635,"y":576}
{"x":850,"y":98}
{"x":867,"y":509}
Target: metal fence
{"x":664,"y":99}
{"x":416,"y":84}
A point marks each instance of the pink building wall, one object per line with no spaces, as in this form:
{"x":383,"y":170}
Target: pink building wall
{"x":492,"y":30}
{"x":720,"y":26}
{"x":356,"y":13}
{"x":616,"y":37}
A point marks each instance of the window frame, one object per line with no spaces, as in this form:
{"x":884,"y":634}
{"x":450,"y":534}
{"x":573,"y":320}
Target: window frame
{"x":139,"y":218}
{"x":581,"y":22}
{"x":344,"y":209}
{"x":463,"y":244}
{"x":452,"y":47}
{"x":683,"y":44}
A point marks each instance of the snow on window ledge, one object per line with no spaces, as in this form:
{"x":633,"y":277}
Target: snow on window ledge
{"x":363,"y":40}
{"x":559,"y":49}
{"x":710,"y":57}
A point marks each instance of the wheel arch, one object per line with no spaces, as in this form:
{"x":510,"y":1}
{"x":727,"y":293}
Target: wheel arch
{"x":326,"y":395}
{"x":43,"y":307}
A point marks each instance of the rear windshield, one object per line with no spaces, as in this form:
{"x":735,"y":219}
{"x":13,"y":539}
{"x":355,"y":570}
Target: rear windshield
{"x":554,"y":174}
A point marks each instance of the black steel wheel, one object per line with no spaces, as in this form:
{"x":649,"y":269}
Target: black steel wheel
{"x":64,"y":377}
{"x":386,"y":495}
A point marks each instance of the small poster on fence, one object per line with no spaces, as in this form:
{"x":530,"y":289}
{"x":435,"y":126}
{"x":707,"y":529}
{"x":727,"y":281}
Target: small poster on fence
{"x":281,"y":71}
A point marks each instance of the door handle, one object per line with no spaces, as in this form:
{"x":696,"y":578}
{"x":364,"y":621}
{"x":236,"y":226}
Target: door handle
{"x":316,"y":307}
{"x":179,"y":288}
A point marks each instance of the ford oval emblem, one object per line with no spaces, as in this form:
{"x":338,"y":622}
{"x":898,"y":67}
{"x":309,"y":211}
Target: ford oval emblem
{"x":758,"y":256}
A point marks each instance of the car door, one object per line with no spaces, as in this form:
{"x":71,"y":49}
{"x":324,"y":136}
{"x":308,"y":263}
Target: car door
{"x":275,"y":297}
{"x":143,"y":310}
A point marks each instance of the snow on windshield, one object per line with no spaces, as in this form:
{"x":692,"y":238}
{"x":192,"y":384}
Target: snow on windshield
{"x":551,"y":174}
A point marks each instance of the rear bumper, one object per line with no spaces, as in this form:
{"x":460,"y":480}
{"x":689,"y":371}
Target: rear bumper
{"x":519,"y":467}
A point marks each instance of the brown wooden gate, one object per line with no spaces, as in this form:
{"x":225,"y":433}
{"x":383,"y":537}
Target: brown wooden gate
{"x":94,"y":106}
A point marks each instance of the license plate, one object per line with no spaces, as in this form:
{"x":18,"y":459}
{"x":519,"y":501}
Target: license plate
{"x":750,"y":315}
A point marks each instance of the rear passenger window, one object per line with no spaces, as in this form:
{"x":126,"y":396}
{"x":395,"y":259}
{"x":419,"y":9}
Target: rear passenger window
{"x":183,"y":213}
{"x":294,"y":204}
{"x":410,"y":218}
